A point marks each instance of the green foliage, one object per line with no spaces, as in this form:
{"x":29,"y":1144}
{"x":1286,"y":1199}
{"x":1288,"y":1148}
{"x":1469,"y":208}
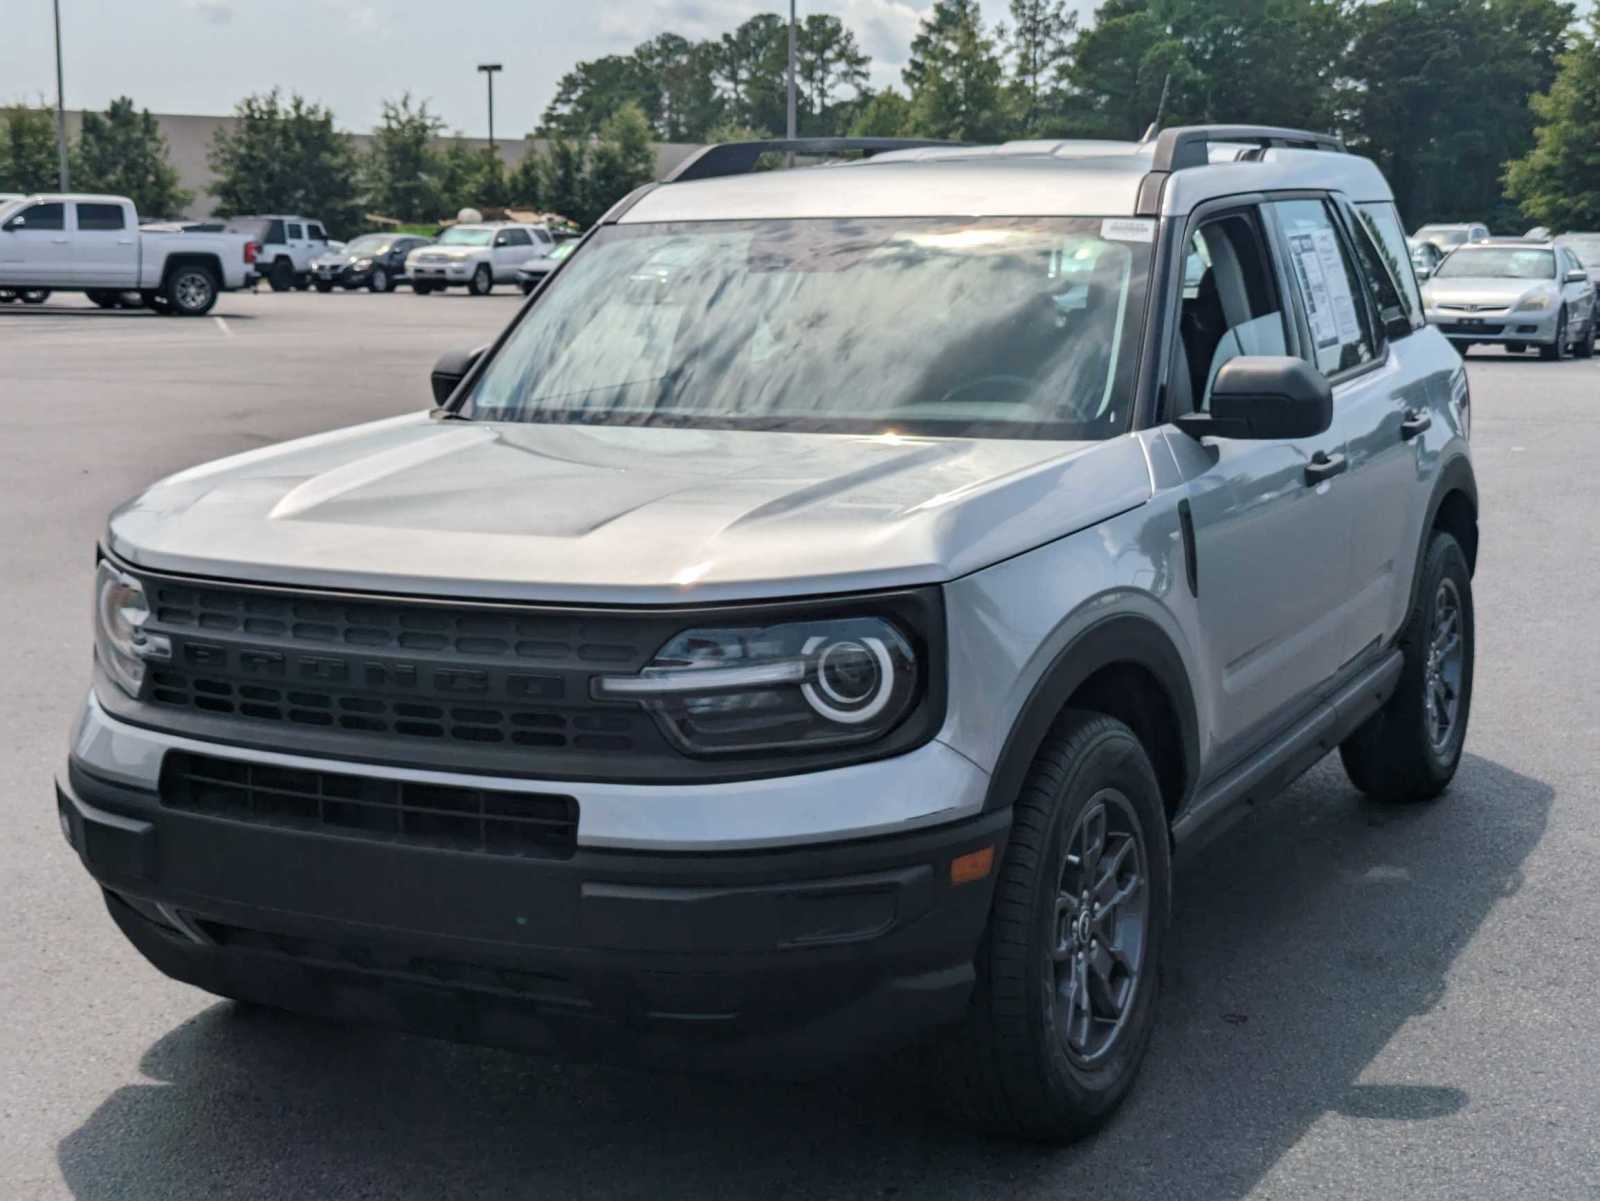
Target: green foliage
{"x":620,"y":162}
{"x":1557,"y":182}
{"x":1038,"y":42}
{"x":124,"y":152}
{"x":563,"y":179}
{"x":885,"y":114}
{"x":28,"y":159}
{"x":404,"y":167}
{"x":956,"y":76}
{"x":287,"y":158}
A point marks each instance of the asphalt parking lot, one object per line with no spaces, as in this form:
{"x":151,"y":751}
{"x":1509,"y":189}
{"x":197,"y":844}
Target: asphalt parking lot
{"x":1363,"y":1003}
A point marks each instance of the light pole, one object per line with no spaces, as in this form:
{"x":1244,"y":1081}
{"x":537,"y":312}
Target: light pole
{"x":61,"y":109}
{"x":791,"y":69}
{"x":489,"y":69}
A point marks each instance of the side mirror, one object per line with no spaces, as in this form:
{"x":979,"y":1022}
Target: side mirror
{"x":1576,"y":276}
{"x":1264,"y":397}
{"x":450,"y":369}
{"x":1424,"y":273}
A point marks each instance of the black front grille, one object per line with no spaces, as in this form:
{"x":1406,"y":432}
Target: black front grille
{"x":1488,"y":330}
{"x":386,"y":810}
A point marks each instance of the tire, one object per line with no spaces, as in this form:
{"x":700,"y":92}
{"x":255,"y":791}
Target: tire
{"x":1009,"y":1067}
{"x":527,"y":288}
{"x":1516,"y":347}
{"x":103,"y":300}
{"x":7,"y":296}
{"x":281,"y":277}
{"x":422,"y":289}
{"x":482,"y":281}
{"x":380,"y":280}
{"x":1584,"y":347}
{"x":324,"y":287}
{"x":1557,"y":350}
{"x":1398,"y":755}
{"x":190,"y":290}
{"x":302,"y":282}
{"x":34,"y":295}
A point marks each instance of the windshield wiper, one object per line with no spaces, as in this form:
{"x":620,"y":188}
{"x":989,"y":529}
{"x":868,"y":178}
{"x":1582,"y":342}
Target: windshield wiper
{"x":443,"y":414}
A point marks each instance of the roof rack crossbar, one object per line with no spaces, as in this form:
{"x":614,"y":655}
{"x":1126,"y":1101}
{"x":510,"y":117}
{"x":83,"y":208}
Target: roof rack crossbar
{"x":740,"y":158}
{"x":1189,"y":145}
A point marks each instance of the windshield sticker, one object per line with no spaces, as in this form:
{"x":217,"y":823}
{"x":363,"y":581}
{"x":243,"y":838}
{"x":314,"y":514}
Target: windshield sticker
{"x":1127,"y":229}
{"x":1314,"y":288}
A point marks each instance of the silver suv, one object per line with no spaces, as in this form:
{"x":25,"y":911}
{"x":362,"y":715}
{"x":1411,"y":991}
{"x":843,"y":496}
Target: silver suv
{"x":814,"y":624}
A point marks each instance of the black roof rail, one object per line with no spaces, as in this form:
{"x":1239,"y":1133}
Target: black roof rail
{"x":740,"y":158}
{"x":1186,"y":146}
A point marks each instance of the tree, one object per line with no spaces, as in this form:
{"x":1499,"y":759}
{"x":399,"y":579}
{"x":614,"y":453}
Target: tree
{"x":28,"y":159}
{"x":748,"y":68}
{"x":681,"y":102}
{"x":1557,"y":182}
{"x":827,"y":59}
{"x":955,"y":76}
{"x":125,"y":153}
{"x":286,"y":158}
{"x":621,"y":161}
{"x":405,"y":170}
{"x":1039,"y":42}
{"x":563,"y":183}
{"x":885,"y":114}
{"x":1439,"y":95}
{"x":1118,"y":68}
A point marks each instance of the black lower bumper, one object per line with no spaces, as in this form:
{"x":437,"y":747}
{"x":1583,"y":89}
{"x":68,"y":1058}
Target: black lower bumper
{"x":794,"y":960}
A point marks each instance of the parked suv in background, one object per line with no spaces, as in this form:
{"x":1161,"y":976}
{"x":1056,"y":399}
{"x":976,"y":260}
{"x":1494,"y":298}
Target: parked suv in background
{"x":288,"y":244}
{"x":1516,"y":294}
{"x":477,"y":256}
{"x":813,"y":624}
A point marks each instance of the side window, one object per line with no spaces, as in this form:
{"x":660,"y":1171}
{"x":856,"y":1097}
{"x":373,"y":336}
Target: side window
{"x":296,"y":233}
{"x":1382,"y":224}
{"x":275,"y":234}
{"x":50,"y":216}
{"x":1230,"y":308}
{"x":1328,"y":285}
{"x":314,"y":232}
{"x":100,"y":216}
{"x":513,"y":237}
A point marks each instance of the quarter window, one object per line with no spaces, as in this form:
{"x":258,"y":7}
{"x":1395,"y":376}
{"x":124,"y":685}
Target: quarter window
{"x":1328,"y":286}
{"x":1382,"y":224}
{"x":296,"y":232}
{"x":100,"y":216}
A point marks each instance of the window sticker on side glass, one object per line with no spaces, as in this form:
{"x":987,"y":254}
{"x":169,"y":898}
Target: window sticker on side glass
{"x":1314,"y":288}
{"x":1344,"y":304}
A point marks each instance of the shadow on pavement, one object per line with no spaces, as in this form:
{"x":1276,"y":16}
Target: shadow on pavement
{"x":1305,"y":939}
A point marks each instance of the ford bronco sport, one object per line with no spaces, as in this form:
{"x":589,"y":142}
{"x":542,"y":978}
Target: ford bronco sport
{"x":813,"y":625}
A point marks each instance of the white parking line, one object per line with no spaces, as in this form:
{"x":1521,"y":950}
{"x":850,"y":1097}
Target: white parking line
{"x":223,"y":326}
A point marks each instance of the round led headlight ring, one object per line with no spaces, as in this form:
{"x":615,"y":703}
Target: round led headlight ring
{"x":854,"y":678}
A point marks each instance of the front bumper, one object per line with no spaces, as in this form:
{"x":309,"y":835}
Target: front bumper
{"x":1502,"y":326}
{"x":447,"y":273}
{"x":796,"y":958}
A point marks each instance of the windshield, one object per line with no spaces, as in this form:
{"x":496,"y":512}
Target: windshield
{"x":466,"y":235}
{"x":1443,"y":235}
{"x":1498,"y":262}
{"x":1014,"y":328}
{"x":368,"y":244}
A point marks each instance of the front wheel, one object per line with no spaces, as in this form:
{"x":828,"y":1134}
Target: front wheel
{"x":482,"y":280}
{"x":1068,"y":971}
{"x":1409,"y":750}
{"x":324,"y":286}
{"x":1558,"y":349}
{"x":380,"y":281}
{"x":34,"y":295}
{"x":191,"y":291}
{"x":421,"y":289}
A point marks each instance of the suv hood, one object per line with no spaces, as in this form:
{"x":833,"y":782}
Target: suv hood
{"x":621,"y":515}
{"x":1484,"y":290}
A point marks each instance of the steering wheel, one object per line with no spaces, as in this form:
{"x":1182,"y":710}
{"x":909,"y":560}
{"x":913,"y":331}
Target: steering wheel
{"x":1015,"y":382}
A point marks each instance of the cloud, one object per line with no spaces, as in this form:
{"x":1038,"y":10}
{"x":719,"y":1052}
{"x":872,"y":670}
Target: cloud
{"x":212,"y":11}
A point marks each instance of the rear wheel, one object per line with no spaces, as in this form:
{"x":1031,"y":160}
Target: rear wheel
{"x":34,"y":295}
{"x":1558,"y":349}
{"x":421,"y":289}
{"x":302,"y":282}
{"x":191,"y":290}
{"x":103,"y":300}
{"x":1583,"y":348}
{"x":482,"y":281}
{"x":1409,"y":749}
{"x":324,"y":286}
{"x":281,"y":276}
{"x":380,"y":281}
{"x":1068,"y":970}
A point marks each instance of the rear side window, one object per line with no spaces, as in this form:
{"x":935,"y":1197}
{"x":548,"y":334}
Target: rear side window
{"x":275,"y":231}
{"x":1328,"y":286}
{"x":314,"y":232}
{"x":295,"y":232}
{"x":1382,"y":224}
{"x":100,"y":216}
{"x":513,"y":237}
{"x":48,"y":216}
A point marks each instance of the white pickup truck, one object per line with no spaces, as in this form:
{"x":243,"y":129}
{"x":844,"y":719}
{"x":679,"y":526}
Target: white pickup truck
{"x":93,"y":244}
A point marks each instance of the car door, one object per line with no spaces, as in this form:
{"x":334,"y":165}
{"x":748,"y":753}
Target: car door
{"x":512,"y":248}
{"x":1577,"y":292}
{"x":105,"y":251}
{"x":1269,"y":538}
{"x":294,"y":234}
{"x":36,"y":245}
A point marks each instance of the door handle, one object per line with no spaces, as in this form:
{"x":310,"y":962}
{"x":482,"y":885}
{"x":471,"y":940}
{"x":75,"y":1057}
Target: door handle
{"x":1414,"y":422}
{"x":124,"y":241}
{"x":1324,"y":466}
{"x":59,"y":241}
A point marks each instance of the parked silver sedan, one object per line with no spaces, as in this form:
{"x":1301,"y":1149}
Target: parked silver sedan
{"x":1516,"y":294}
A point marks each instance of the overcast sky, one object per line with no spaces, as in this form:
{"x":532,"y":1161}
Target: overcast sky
{"x":200,"y":56}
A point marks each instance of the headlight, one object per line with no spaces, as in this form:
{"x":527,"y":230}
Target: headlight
{"x":1534,"y":304}
{"x":120,"y":642}
{"x":803,"y":684}
{"x":361,"y":264}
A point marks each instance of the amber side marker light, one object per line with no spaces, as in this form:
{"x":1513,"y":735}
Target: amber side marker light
{"x":974,"y":865}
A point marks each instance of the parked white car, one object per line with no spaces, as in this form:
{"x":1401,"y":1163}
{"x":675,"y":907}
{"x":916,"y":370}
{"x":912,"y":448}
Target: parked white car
{"x":476,"y":256}
{"x":93,"y":244}
{"x":288,"y":244}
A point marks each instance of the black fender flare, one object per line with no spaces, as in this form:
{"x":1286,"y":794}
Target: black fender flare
{"x":1456,"y":475}
{"x":1122,"y":638}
